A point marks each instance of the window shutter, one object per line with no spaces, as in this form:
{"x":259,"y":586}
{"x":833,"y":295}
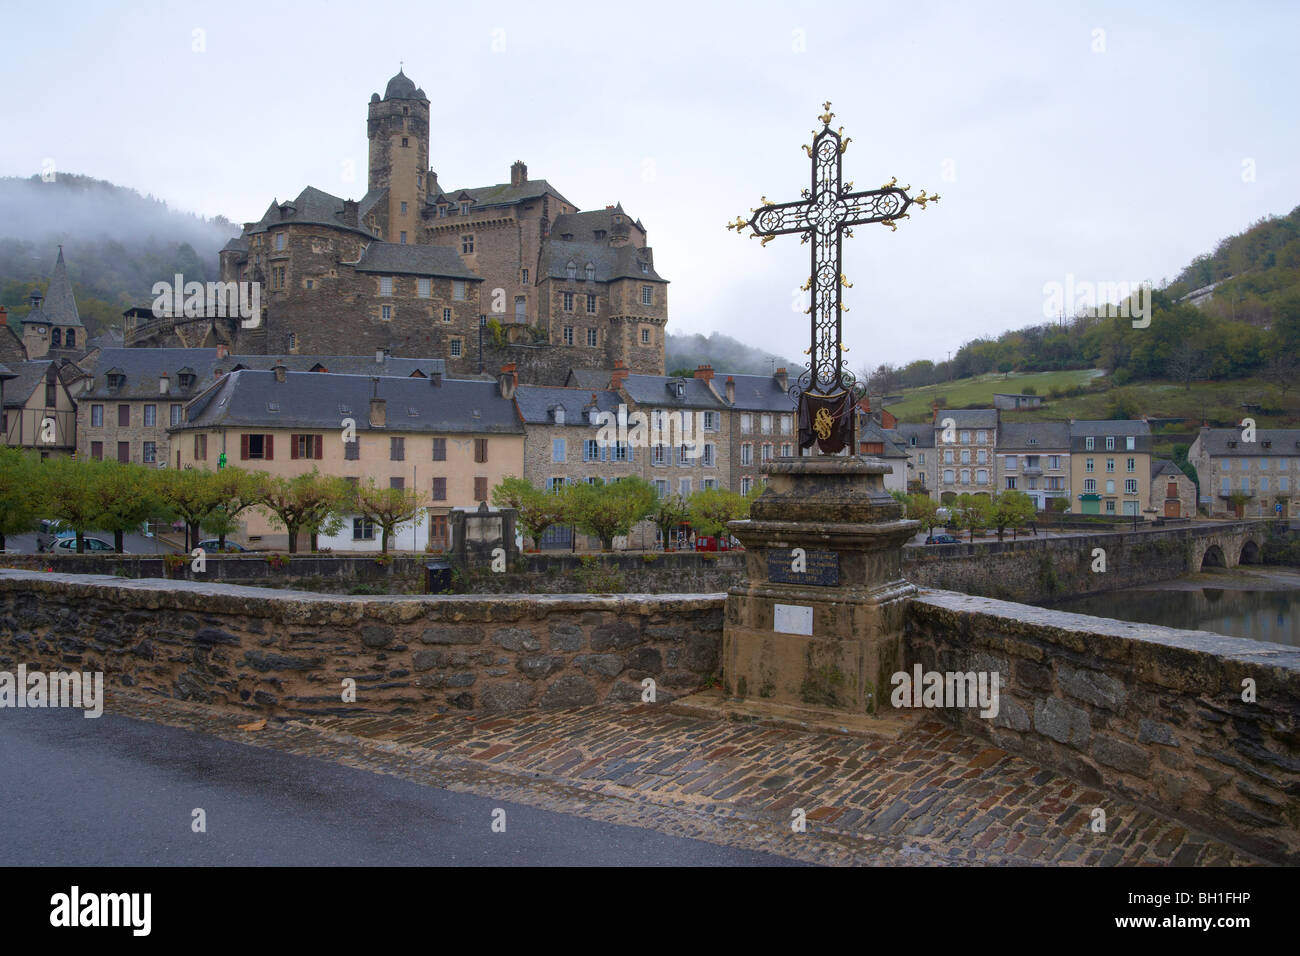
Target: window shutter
{"x":243,"y":447}
{"x":631,"y":453}
{"x":293,"y":447}
{"x":586,"y":452}
{"x":269,"y":442}
{"x":320,"y":446}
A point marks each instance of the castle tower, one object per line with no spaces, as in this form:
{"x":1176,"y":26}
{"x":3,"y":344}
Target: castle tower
{"x":398,"y":128}
{"x":53,"y":322}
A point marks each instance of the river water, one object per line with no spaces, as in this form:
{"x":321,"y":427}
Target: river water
{"x":1260,"y":604}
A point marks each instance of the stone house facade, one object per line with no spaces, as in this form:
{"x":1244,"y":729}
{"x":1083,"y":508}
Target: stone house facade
{"x":1034,"y":457}
{"x":965,"y":441}
{"x":1173,"y":494}
{"x":452,"y":440}
{"x":1110,"y":467}
{"x":762,"y":423}
{"x":1266,"y":471}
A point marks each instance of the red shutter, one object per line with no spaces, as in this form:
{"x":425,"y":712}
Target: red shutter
{"x":243,"y":447}
{"x":269,"y":442}
{"x":293,"y":446}
{"x":320,"y":446}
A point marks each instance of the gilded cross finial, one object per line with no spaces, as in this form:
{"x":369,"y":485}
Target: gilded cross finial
{"x":828,"y":115}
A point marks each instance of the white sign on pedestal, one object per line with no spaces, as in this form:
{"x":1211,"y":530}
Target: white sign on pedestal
{"x":792,"y":619}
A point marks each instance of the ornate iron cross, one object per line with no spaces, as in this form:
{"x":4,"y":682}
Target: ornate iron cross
{"x":827,"y":213}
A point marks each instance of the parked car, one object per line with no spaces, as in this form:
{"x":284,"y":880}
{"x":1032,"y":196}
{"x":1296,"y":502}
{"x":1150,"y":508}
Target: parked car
{"x":214,"y":546}
{"x":941,"y":539}
{"x":51,"y":532}
{"x":68,"y":545}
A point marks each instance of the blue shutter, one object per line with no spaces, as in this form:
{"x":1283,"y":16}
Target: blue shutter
{"x":631,"y":452}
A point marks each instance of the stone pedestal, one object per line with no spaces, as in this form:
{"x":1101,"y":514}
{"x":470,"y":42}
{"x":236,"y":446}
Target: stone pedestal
{"x":822,"y":634}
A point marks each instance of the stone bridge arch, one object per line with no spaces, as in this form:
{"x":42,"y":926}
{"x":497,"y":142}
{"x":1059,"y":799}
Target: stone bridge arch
{"x":1229,"y":547}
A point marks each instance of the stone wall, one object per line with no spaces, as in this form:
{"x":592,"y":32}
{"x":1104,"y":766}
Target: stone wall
{"x":288,"y":653}
{"x":1151,"y":714}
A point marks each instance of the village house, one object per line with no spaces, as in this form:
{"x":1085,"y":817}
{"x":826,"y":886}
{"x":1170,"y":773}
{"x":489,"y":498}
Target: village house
{"x":1247,"y":478}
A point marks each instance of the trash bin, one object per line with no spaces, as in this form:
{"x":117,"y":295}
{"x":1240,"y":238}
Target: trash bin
{"x":437,"y":577}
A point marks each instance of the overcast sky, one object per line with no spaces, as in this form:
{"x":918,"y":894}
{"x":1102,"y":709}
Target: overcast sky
{"x":1065,"y":138}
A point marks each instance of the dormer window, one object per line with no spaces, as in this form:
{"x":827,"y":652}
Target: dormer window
{"x":567,"y":236}
{"x":559,"y":414}
{"x":464,"y":209}
{"x":442,"y":210}
{"x":571,"y":269}
{"x":618,"y":220}
{"x":116,"y":379}
{"x":591,"y":271}
{"x":645,"y":267}
{"x":600,"y":233}
{"x":185,"y":380}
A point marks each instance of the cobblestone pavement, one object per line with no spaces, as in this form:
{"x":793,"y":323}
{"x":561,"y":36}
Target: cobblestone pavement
{"x":931,"y":797}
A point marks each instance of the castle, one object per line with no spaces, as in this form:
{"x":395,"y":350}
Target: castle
{"x":482,"y":276}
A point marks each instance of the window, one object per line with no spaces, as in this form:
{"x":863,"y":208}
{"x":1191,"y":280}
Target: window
{"x":965,"y":476}
{"x":306,"y":446}
{"x":70,"y":340}
{"x":363,"y":529}
{"x":403,"y":236}
{"x":568,"y":302}
{"x":1053,"y":461}
{"x":1009,"y":462}
{"x":406,"y":142}
{"x":787,"y":450}
{"x":965,"y":438}
{"x":386,"y":285}
{"x":568,"y":335}
{"x":446,"y":315}
{"x":746,"y":424}
{"x":1130,"y":443}
{"x":645,"y":336}
{"x":1110,"y":442}
{"x":661,"y":487}
{"x":684,"y":487}
{"x":124,"y":416}
{"x":464,"y":211}
{"x":1110,"y":507}
{"x":442,"y":211}
{"x":965,"y":456}
{"x":524,"y":280}
{"x":949,"y":476}
{"x":683,"y":455}
{"x":480,"y":489}
{"x":440,"y":449}
{"x":96,"y":416}
{"x":571,"y":269}
{"x":1011,"y":483}
{"x":386,"y":312}
{"x":590,"y":271}
{"x":396,"y":449}
{"x":622,"y":452}
{"x":150,"y":416}
{"x":403,"y":207}
{"x":982,"y":456}
{"x":557,"y":485}
{"x":149,"y":454}
{"x":981,"y":476}
{"x":1130,"y":465}
{"x":765,"y":453}
{"x":397,"y":483}
{"x":352,"y":450}
{"x":1089,"y":443}
{"x":200,"y":447}
{"x":709,"y":452}
{"x":920,"y":459}
{"x":647,"y":295}
{"x":1110,"y":486}
{"x":557,"y":449}
{"x":257,"y":446}
{"x":97,"y":450}
{"x":424,"y":288}
{"x":787,"y":424}
{"x":480,"y":450}
{"x":1090,"y":485}
{"x":747,"y":454}
{"x":948,"y":458}
{"x":440,"y":489}
{"x":1225,"y":485}
{"x":981,"y":437}
{"x":279,"y":242}
{"x":593,"y":338}
{"x":765,"y":424}
{"x":1089,"y":465}
{"x":710,"y":421}
{"x":746,"y":485}
{"x":1110,"y":465}
{"x":660,"y":454}
{"x":455,"y":348}
{"x":458,"y":289}
{"x":1130,"y":486}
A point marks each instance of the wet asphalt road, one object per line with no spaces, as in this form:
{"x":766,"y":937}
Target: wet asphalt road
{"x":113,"y":791}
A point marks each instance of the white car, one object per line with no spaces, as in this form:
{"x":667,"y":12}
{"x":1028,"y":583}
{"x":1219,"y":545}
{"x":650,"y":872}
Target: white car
{"x":93,"y":545}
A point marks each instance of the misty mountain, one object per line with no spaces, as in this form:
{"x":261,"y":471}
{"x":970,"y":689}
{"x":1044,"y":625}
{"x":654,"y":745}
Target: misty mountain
{"x":116,"y":242}
{"x":723,"y":352}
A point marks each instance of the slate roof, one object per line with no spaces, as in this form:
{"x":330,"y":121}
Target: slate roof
{"x":306,"y":400}
{"x":60,"y":305}
{"x":6,"y":372}
{"x":27,"y":376}
{"x":654,"y":391}
{"x":584,"y":225}
{"x":313,"y":206}
{"x":401,"y":87}
{"x":537,"y":401}
{"x":395,"y":258}
{"x":970,"y":417}
{"x":237,"y":244}
{"x":1019,"y":435}
{"x":924,"y":435}
{"x":1117,"y":427}
{"x":502,"y":194}
{"x":144,"y":367}
{"x":1162,"y":466}
{"x":1283,"y":442}
{"x":588,"y":378}
{"x":871,"y":432}
{"x":611,"y":262}
{"x":759,"y":393}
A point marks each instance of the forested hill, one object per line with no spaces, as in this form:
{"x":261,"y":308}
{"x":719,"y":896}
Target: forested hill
{"x":1248,"y":324}
{"x":116,"y":242}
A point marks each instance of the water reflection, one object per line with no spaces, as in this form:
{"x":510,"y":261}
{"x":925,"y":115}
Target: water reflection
{"x":1259,"y":615}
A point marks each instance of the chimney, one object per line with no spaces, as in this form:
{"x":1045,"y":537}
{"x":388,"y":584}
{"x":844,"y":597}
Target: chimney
{"x":731,"y":390}
{"x":782,"y":380}
{"x":378,"y":408}
{"x":518,"y":173}
{"x":4,"y":315}
{"x":164,"y":384}
{"x":279,"y":369}
{"x":508,"y":380}
{"x":379,"y":356}
{"x":349,"y":212}
{"x":435,"y":379}
{"x":704,"y":372}
{"x":431,"y":183}
{"x":934,"y":408}
{"x":223,"y":351}
{"x":619,"y":375}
